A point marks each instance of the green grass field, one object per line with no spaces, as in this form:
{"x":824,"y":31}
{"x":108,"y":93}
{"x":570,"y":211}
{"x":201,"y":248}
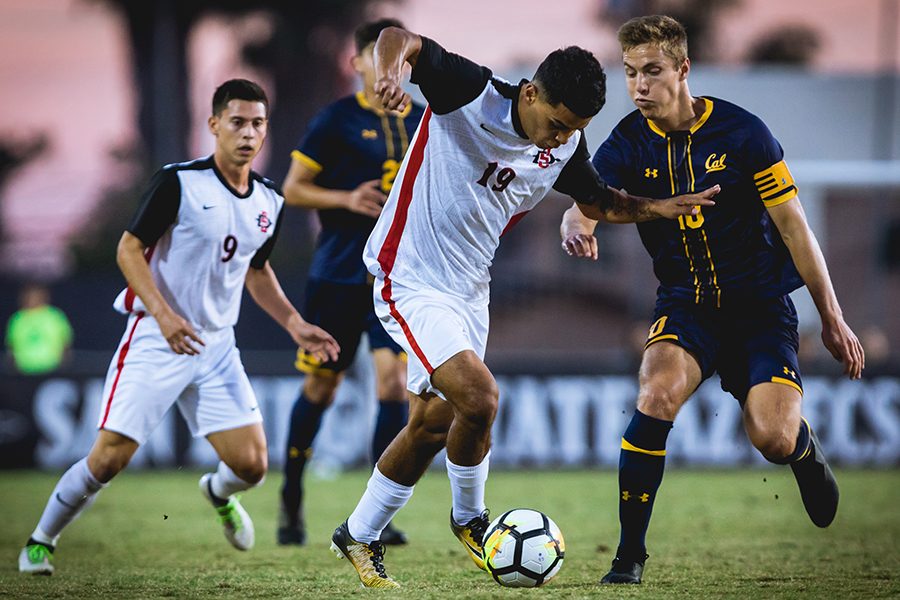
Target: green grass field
{"x":715,"y":534}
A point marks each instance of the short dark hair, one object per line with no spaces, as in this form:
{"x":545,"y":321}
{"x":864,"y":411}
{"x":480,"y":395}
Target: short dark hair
{"x":367,"y":33}
{"x":238,"y":89}
{"x":574,"y":77}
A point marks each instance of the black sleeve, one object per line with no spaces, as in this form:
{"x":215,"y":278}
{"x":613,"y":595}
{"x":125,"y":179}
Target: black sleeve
{"x":262,"y":255}
{"x":159,"y":207}
{"x":580,"y":180}
{"x":448,"y":81}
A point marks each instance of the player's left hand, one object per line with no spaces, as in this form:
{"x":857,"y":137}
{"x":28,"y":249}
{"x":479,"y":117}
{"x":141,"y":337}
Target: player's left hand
{"x":844,"y":346}
{"x":582,"y":245}
{"x":688,"y":204}
{"x":391,"y":94}
{"x":315,"y":341}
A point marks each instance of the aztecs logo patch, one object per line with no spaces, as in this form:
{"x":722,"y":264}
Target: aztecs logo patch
{"x":544,"y":159}
{"x":264,"y":222}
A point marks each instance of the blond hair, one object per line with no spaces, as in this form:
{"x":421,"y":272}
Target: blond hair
{"x":661,"y":31}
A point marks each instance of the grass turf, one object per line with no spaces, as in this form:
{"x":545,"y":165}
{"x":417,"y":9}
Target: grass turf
{"x":722,"y":534}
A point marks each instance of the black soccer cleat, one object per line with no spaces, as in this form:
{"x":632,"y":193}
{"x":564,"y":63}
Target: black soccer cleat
{"x":391,"y":536}
{"x":818,"y":487}
{"x":625,"y":571}
{"x":291,"y":529}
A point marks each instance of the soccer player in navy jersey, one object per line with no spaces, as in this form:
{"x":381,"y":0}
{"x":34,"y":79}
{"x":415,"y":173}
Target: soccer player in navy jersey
{"x":344,"y":168}
{"x":724,"y":273}
{"x":486,"y":152}
{"x":203,"y":233}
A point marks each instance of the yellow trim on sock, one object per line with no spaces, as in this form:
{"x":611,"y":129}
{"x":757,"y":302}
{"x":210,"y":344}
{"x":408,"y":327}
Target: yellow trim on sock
{"x":626,"y":445}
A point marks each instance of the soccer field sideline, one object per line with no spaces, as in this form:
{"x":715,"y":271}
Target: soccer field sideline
{"x":735,"y":533}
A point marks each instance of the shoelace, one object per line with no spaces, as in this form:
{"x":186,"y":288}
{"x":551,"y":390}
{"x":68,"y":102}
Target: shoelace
{"x":376,"y":555}
{"x":37,"y":553}
{"x":479,"y":525}
{"x":227,"y":514}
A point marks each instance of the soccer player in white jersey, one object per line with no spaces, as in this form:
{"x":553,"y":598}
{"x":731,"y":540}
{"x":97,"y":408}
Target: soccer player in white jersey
{"x":203,"y":232}
{"x":485,"y":153}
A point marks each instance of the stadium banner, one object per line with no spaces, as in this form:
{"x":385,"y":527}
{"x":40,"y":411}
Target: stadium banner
{"x":566,"y":421}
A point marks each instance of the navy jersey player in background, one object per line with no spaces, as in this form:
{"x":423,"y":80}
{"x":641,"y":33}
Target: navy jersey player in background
{"x":203,"y":233}
{"x":344,"y":167}
{"x":724,"y":273}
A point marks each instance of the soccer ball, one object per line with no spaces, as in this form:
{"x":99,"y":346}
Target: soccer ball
{"x":523,"y":548}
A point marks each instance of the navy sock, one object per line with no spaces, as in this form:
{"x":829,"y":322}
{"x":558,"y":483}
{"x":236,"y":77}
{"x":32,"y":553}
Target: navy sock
{"x":305,"y":420}
{"x":802,"y":450}
{"x":391,"y":419}
{"x":641,"y":464}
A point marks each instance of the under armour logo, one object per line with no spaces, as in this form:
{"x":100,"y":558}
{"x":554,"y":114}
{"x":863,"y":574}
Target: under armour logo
{"x":648,"y":173}
{"x":369,"y":134}
{"x":790,"y":372}
{"x":626,"y":496}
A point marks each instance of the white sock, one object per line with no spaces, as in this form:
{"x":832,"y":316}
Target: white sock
{"x":381,"y":501}
{"x":76,"y":490}
{"x":225,"y":482}
{"x":467,"y":488}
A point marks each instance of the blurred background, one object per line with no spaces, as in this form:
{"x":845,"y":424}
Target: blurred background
{"x":97,"y":94}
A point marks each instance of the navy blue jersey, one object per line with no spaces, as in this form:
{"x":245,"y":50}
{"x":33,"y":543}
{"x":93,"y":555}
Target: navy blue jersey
{"x":727,"y":251}
{"x":348,"y":143}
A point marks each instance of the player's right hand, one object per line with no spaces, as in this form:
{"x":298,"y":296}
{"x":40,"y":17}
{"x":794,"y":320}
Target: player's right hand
{"x":179,"y":334}
{"x":844,"y":346}
{"x":367,"y":199}
{"x":582,"y":245}
{"x":391,"y":94}
{"x":688,"y":204}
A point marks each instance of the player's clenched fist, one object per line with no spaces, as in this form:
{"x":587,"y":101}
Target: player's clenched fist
{"x":583,"y":245}
{"x":391,"y":94}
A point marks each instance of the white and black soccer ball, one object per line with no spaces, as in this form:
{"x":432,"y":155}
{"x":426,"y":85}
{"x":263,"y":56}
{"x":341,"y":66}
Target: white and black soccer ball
{"x":523,"y":548}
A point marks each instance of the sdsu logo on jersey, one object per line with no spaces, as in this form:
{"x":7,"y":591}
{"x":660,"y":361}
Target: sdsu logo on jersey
{"x":264,"y":222}
{"x":544,"y":159}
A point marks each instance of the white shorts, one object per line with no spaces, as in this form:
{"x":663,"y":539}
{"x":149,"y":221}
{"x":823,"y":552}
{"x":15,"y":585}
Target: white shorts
{"x":431,"y":326}
{"x":146,"y":377}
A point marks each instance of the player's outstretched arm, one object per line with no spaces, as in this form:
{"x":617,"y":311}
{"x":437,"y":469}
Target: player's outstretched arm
{"x":804,"y":248}
{"x":622,"y":207}
{"x":393,"y":49}
{"x":267,"y":293}
{"x":577,"y":233}
{"x":177,"y":331}
{"x":301,"y":190}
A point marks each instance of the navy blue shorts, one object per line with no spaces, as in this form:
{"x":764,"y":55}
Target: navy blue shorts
{"x":747,"y":343}
{"x":346,"y":312}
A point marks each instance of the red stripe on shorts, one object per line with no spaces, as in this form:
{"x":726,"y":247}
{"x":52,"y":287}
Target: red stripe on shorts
{"x":120,"y":363}
{"x":388,"y":253}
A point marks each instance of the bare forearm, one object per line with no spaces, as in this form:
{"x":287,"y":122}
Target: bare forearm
{"x":310,"y":195}
{"x":575,"y":222}
{"x":622,"y":207}
{"x":131,"y":261}
{"x":810,"y":263}
{"x":268,"y":295}
{"x":393,"y":48}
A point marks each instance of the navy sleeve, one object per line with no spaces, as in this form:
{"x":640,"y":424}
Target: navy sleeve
{"x":318,"y":147}
{"x":262,"y":255}
{"x":580,"y":180}
{"x":761,"y":150}
{"x":159,"y":207}
{"x":448,"y":81}
{"x":610,"y":162}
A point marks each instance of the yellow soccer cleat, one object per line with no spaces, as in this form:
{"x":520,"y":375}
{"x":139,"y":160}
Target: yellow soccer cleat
{"x":367,"y":559}
{"x":471,"y":535}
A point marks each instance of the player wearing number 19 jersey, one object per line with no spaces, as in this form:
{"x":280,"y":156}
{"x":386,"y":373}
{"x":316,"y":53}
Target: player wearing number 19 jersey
{"x":724,"y":274}
{"x":203,"y":232}
{"x":485,"y":153}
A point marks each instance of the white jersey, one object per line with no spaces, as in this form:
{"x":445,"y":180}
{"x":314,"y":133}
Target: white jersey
{"x":469,"y":174}
{"x":201,"y":238}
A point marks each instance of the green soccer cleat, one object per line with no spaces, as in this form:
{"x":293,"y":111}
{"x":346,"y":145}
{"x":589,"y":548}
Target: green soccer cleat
{"x":367,"y":559}
{"x":35,"y":558}
{"x":625,"y":571}
{"x":818,"y":487}
{"x":235,"y":521}
{"x":471,"y":535}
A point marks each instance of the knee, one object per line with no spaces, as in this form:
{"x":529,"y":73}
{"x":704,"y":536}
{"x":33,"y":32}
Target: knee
{"x":774,"y":446}
{"x":391,"y":387}
{"x":320,"y":388}
{"x":658,"y":402}
{"x":477,"y":404}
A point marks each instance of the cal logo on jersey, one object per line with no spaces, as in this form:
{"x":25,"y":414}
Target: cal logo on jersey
{"x":715,"y":164}
{"x":544,"y":158}
{"x":264,"y":222}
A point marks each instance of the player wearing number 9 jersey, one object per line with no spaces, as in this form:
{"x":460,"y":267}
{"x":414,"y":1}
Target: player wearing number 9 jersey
{"x":203,"y":232}
{"x":344,"y":167}
{"x":485,"y":153}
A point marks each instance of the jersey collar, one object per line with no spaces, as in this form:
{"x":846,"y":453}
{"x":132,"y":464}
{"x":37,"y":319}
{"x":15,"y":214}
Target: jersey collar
{"x":223,"y":181}
{"x":703,"y":118}
{"x":361,"y":99}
